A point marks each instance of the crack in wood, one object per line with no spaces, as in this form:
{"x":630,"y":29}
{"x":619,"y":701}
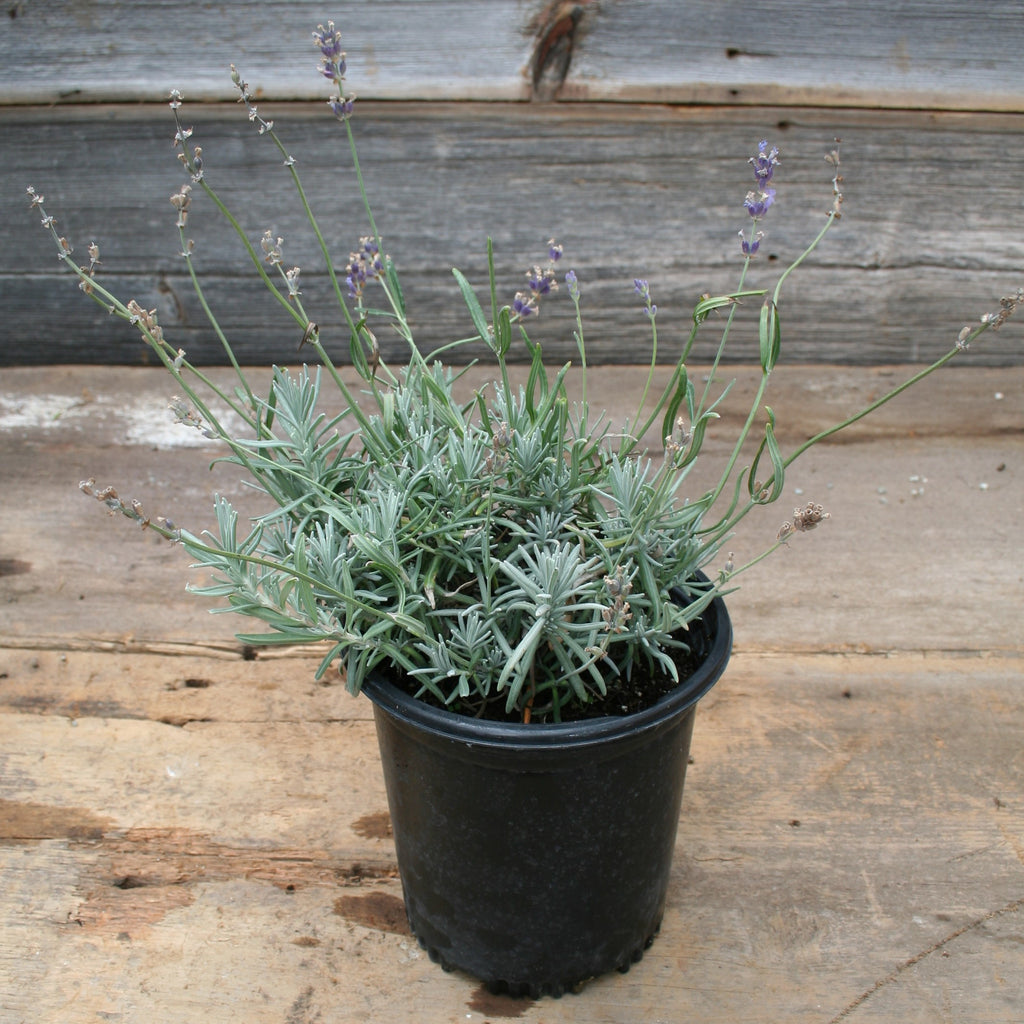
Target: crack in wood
{"x":913,"y":961}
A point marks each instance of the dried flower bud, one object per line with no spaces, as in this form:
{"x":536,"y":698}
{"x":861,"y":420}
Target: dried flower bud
{"x":181,"y":201}
{"x":808,"y":517}
{"x":618,"y":585}
{"x":502,"y":437}
{"x":272,"y":252}
{"x":617,"y":616}
{"x":680,"y":437}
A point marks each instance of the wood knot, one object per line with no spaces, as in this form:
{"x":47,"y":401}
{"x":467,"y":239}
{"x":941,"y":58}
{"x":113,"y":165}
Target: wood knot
{"x":552,"y":51}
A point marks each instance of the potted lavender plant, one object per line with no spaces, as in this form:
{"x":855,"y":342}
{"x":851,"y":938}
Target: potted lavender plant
{"x":520,"y":588}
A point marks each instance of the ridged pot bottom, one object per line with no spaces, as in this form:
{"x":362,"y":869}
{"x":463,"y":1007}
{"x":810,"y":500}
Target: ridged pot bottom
{"x":537,"y":988}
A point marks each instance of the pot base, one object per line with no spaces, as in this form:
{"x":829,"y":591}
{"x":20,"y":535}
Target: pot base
{"x":537,"y":989}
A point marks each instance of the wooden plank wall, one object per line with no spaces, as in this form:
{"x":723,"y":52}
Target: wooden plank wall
{"x":621,"y":128}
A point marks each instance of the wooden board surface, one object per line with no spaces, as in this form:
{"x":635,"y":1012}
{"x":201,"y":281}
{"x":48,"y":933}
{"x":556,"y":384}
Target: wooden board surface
{"x":929,"y":241}
{"x":188,"y":834}
{"x":940,"y":466}
{"x":851,"y":848}
{"x":950,"y":54}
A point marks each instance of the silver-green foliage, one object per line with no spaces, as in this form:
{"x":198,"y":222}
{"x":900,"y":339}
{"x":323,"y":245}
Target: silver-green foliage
{"x":478,"y":547}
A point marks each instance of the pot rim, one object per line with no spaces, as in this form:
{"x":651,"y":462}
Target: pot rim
{"x":538,"y":736}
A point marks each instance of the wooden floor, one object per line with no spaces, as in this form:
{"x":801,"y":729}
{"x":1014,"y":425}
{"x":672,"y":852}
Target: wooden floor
{"x":190,"y":834}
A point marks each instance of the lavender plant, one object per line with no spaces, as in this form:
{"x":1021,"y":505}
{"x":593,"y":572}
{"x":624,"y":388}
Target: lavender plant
{"x":517,"y":554}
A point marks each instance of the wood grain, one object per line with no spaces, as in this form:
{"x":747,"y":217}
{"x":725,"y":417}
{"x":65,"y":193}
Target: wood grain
{"x":845,"y":842}
{"x":929,"y":239}
{"x":952,"y":54}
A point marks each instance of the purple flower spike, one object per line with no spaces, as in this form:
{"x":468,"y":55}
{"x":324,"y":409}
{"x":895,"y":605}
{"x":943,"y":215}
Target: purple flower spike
{"x":643,"y":289}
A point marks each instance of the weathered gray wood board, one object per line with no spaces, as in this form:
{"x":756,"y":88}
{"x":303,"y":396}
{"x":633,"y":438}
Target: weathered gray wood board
{"x":930,"y":238}
{"x":927,"y":54}
{"x":187,"y":835}
{"x":650,"y":185}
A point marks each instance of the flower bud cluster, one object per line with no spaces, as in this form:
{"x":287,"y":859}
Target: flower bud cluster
{"x":145,"y":320}
{"x":273,"y":253}
{"x":185,"y":413}
{"x":541,"y":282}
{"x":837,"y":179}
{"x":35,"y":201}
{"x":90,"y":271}
{"x":181,"y":201}
{"x":677,"y":442}
{"x":643,"y":289}
{"x":332,"y":67}
{"x":192,"y":163}
{"x":132,"y":508}
{"x":244,"y":96}
{"x":364,"y":265}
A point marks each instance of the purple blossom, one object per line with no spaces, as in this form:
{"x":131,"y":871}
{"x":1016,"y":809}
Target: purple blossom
{"x":524,"y":305}
{"x":341,"y":106}
{"x":332,"y":71}
{"x":332,"y":67}
{"x":328,"y":41}
{"x":540,"y":281}
{"x":764,"y":163}
{"x":749,"y":246}
{"x":572,"y":283}
{"x":363,"y":266}
{"x":757,"y":203}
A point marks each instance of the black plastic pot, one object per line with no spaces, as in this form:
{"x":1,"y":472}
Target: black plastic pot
{"x":537,"y":856}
